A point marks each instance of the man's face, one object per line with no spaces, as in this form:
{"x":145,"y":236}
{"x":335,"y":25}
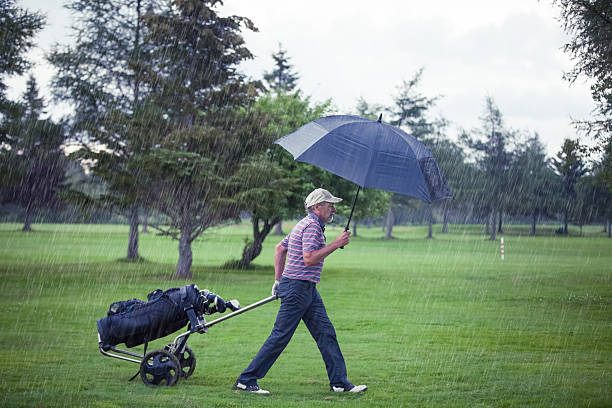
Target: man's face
{"x":325,"y":211}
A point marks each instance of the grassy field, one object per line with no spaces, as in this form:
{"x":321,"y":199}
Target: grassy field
{"x":442,"y":322}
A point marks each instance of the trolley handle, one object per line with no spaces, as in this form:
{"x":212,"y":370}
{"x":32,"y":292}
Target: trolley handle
{"x":242,"y":310}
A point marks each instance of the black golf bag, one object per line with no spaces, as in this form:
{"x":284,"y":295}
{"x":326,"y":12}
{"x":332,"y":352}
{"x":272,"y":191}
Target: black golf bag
{"x":136,"y":322}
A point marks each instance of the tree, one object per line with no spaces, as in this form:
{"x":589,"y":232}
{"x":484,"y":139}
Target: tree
{"x":410,"y":112}
{"x":494,"y":158}
{"x":101,"y":76}
{"x":32,"y":161}
{"x":208,"y":106}
{"x":589,"y":25}
{"x":584,"y":209}
{"x":452,"y":162}
{"x":265,"y":197}
{"x":533,"y":183}
{"x":410,"y":108}
{"x":282,"y":78}
{"x":602,"y":180}
{"x":570,"y":167}
{"x":275,"y":186}
{"x":603,"y":167}
{"x":368,"y":110}
{"x":17,"y":30}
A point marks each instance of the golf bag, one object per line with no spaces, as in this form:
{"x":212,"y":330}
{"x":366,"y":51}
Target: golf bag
{"x":136,"y":322}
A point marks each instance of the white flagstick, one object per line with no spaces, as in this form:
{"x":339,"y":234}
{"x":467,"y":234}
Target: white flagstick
{"x":502,"y":248}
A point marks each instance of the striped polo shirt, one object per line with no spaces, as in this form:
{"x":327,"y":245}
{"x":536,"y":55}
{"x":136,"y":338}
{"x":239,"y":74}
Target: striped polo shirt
{"x":306,"y":236}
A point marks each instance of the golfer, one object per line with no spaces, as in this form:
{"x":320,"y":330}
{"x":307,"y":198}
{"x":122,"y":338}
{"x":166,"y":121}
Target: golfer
{"x":298,"y":261}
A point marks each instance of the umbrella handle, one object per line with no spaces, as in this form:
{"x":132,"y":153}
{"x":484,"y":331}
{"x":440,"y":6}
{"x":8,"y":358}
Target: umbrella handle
{"x":352,"y":209}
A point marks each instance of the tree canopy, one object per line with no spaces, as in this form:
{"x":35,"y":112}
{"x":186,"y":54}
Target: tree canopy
{"x":208,"y":106}
{"x":17,"y":31}
{"x":589,"y":25}
{"x":282,"y":78}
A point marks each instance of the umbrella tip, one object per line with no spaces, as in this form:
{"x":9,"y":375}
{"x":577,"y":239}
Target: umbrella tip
{"x":380,"y":118}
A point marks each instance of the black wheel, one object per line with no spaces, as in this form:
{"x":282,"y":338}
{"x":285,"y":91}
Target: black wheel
{"x":187,"y":361}
{"x":160,"y":367}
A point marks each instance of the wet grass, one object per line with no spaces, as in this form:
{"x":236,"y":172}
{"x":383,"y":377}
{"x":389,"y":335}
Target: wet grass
{"x":442,"y":322}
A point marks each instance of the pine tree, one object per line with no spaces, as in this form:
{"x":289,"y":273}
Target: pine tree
{"x":32,"y":161}
{"x":533,"y":185}
{"x":570,"y":167}
{"x":410,"y":112}
{"x":494,"y":158}
{"x":101,"y":76}
{"x":17,"y":30}
{"x":282,"y":78}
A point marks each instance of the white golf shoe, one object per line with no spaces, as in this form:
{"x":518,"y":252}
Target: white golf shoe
{"x":350,"y":388}
{"x":250,"y":388}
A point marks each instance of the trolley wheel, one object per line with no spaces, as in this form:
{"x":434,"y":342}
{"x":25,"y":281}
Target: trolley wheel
{"x":186,"y":359}
{"x":160,"y":367}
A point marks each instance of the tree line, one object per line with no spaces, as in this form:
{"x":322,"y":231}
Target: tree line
{"x":172,"y":134}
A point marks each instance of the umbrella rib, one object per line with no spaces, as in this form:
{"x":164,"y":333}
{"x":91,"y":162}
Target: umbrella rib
{"x":373,"y":151}
{"x":402,"y":134}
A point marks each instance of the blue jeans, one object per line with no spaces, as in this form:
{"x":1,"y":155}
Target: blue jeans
{"x":300,"y":300}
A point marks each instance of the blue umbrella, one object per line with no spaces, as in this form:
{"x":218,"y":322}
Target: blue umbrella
{"x":371,"y":154}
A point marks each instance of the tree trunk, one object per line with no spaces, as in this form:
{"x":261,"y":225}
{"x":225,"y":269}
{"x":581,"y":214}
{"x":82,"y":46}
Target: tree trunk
{"x":354,"y":228}
{"x":253,"y":250}
{"x":493,"y":229}
{"x":445,"y":218}
{"x":183,"y":267}
{"x":132,"y":252}
{"x":389,"y":224}
{"x":605,"y":226}
{"x":27,"y":223}
{"x":534,"y":218}
{"x":278,"y":228}
{"x":565,"y":213}
{"x":580,"y":229}
{"x":145,"y":221}
{"x":487,"y":225}
{"x":250,"y":253}
{"x":609,"y":229}
{"x":499,"y":228}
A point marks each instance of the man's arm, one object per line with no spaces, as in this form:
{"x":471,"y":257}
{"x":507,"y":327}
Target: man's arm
{"x":314,"y":257}
{"x":280,"y":257}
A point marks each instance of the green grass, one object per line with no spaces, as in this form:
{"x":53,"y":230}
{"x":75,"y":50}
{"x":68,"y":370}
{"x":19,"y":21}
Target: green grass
{"x":442,"y":322}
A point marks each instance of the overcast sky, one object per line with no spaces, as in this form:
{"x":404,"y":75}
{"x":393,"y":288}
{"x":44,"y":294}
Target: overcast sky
{"x":344,"y":49}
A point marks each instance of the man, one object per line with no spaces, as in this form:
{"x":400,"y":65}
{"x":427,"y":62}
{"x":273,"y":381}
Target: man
{"x":298,"y":261}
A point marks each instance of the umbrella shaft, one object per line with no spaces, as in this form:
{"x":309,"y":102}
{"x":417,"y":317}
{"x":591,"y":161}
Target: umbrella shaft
{"x":352,"y":209}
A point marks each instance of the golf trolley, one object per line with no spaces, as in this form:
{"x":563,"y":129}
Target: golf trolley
{"x":135,"y":322}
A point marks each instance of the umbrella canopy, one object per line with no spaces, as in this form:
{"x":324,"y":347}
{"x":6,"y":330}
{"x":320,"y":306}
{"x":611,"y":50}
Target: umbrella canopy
{"x":369,"y":153}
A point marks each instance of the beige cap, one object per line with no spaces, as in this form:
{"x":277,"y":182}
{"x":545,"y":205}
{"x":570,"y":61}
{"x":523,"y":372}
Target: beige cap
{"x":320,"y":195}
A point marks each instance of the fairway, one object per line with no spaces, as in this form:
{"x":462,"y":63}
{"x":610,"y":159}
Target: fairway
{"x":441,"y":322}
